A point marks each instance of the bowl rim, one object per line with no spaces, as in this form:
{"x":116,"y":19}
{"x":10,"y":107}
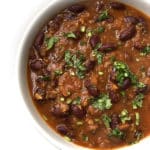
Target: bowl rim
{"x":21,"y":47}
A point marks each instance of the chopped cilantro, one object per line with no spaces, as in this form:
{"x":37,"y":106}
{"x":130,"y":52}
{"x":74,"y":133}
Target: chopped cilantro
{"x":138,"y":101}
{"x":103,"y":16}
{"x":83,"y":29}
{"x":145,"y":51}
{"x":106,"y":119}
{"x":45,"y":78}
{"x":123,"y":93}
{"x":99,"y":57}
{"x":58,"y":72}
{"x":98,"y":54}
{"x":68,"y":57}
{"x":77,"y":101}
{"x":124,"y":116}
{"x":102,"y":102}
{"x":85,"y":138}
{"x":137,"y":119}
{"x":140,"y":85}
{"x":76,"y":61}
{"x":70,"y":35}
{"x":51,"y":42}
{"x":117,"y":133}
{"x":67,"y":138}
{"x":123,"y":72}
{"x":100,"y":29}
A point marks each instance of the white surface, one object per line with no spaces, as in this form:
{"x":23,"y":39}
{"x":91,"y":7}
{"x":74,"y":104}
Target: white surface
{"x":16,"y":132}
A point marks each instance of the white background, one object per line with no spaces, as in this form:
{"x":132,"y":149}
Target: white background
{"x":16,"y":131}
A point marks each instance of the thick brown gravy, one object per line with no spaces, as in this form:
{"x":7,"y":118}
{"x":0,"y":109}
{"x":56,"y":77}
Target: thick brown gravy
{"x":89,"y":74}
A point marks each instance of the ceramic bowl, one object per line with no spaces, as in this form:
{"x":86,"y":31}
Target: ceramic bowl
{"x":45,"y":13}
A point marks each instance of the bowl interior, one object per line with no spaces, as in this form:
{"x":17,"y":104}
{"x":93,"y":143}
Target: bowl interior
{"x":46,"y":13}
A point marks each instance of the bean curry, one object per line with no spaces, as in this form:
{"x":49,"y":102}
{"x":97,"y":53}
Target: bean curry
{"x":89,"y":74}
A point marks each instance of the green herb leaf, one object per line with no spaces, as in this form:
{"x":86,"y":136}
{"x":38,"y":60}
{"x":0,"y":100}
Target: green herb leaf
{"x":137,"y":118}
{"x":58,"y":72}
{"x":117,"y":133}
{"x":45,"y":78}
{"x":103,"y":102}
{"x":138,"y":101}
{"x":123,"y":72}
{"x":51,"y":42}
{"x":124,"y":116}
{"x":85,"y":138}
{"x":77,"y":101}
{"x":76,"y":61}
{"x":98,"y":54}
{"x":106,"y":119}
{"x":70,"y":35}
{"x":145,"y":51}
{"x":68,"y":57}
{"x":140,"y":85}
{"x":123,"y":93}
{"x":99,"y":57}
{"x":103,"y":16}
{"x":100,"y":29}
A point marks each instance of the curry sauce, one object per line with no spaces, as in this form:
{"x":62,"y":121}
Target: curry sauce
{"x":89,"y":74}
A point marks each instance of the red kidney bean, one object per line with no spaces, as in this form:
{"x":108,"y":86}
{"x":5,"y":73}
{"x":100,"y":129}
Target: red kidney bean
{"x":62,"y":128}
{"x":78,"y":111}
{"x":115,"y":121}
{"x":55,"y":23}
{"x":77,"y":8}
{"x":36,"y":65}
{"x":117,"y":5}
{"x":70,"y":15}
{"x":138,"y":46}
{"x":126,"y":84}
{"x":39,"y":41}
{"x":114,"y":96}
{"x":90,"y":64}
{"x":108,"y":47}
{"x":127,"y":33}
{"x":94,"y":40}
{"x":131,"y":19}
{"x":91,"y":89}
{"x":60,"y":110}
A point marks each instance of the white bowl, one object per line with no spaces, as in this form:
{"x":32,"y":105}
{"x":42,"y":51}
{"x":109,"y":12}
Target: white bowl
{"x":52,"y":8}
